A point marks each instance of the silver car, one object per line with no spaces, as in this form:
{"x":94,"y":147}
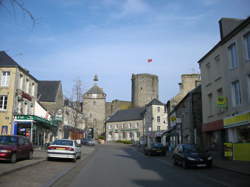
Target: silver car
{"x":63,"y":148}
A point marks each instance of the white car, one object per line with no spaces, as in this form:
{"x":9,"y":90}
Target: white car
{"x":63,"y":148}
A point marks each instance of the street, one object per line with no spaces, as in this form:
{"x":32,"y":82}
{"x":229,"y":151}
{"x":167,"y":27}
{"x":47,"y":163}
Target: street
{"x":119,"y":165}
{"x":122,"y":165}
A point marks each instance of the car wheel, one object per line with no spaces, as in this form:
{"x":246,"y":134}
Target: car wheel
{"x":209,"y":165}
{"x":184,"y":164}
{"x":13,"y":158}
{"x":48,"y":159}
{"x":30,"y":157}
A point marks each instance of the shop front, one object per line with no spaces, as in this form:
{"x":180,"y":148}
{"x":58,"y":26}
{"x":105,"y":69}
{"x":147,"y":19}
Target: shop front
{"x":39,"y":130}
{"x":238,"y":133}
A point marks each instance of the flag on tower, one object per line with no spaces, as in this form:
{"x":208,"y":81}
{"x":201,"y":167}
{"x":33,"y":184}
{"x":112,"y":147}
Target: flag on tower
{"x":150,"y":60}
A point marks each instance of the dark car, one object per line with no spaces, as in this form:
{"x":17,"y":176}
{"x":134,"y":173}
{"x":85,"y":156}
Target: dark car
{"x":188,"y":155}
{"x":155,"y":148}
{"x":13,"y":148}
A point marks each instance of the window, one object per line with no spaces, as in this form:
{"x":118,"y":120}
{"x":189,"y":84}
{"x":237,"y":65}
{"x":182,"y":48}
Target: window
{"x":210,"y":104}
{"x":236,"y":95}
{"x":5,"y":78}
{"x":217,"y":64}
{"x":219,"y":94}
{"x":158,"y":119}
{"x":109,"y":126}
{"x":158,"y":128}
{"x":3,"y":102}
{"x":129,"y":125}
{"x":158,"y":109}
{"x":247,"y":45}
{"x":123,"y":126}
{"x":138,"y":134}
{"x":33,"y":89}
{"x":27,"y":85}
{"x":21,"y":82}
{"x":233,"y":56}
{"x":208,"y":68}
{"x":137,"y":125}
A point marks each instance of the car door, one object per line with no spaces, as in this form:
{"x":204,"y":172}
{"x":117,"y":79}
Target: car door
{"x":20,"y":148}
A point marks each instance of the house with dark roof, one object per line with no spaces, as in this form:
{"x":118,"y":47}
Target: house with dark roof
{"x":18,"y":92}
{"x":155,"y":117}
{"x":50,"y":95}
{"x":125,"y":125}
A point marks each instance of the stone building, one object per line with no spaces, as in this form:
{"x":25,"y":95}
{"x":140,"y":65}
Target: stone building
{"x":155,"y":117}
{"x":225,"y":77}
{"x":125,"y":125}
{"x":18,"y":92}
{"x":50,"y":95}
{"x":144,"y":89}
{"x":94,"y":101}
{"x":115,"y":105}
{"x":187,"y":124}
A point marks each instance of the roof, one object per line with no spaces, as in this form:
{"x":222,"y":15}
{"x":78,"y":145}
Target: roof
{"x":47,"y":90}
{"x":155,"y":102}
{"x":127,"y":115}
{"x":7,"y":61}
{"x":227,"y":37}
{"x":95,"y":90}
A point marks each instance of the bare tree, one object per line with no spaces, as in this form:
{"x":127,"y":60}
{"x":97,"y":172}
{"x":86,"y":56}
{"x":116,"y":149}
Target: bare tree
{"x":76,"y":100}
{"x":18,"y":4}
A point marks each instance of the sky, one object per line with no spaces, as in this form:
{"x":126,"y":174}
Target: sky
{"x":76,"y":39}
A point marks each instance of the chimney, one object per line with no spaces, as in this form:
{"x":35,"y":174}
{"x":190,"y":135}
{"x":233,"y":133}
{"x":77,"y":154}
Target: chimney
{"x":227,"y":25}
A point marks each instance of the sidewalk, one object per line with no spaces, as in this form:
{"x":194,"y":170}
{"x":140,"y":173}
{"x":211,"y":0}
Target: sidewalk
{"x":39,"y":156}
{"x":242,"y":167}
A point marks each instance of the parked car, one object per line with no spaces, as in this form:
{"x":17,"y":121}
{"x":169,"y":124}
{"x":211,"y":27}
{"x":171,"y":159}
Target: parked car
{"x":154,"y":148}
{"x":63,"y":148}
{"x":188,"y":155}
{"x":13,"y":148}
{"x":90,"y":142}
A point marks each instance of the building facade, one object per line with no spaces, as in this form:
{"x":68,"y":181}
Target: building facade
{"x":94,"y":101}
{"x":225,"y":76}
{"x":125,"y":125}
{"x":144,"y":89}
{"x":18,"y":93}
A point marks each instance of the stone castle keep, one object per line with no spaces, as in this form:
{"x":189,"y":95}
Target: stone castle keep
{"x":144,"y":89}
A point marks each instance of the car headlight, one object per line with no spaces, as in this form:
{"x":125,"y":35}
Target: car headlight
{"x":210,"y":158}
{"x":5,"y":151}
{"x":190,"y":158}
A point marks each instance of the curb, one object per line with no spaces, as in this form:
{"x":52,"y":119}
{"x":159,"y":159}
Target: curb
{"x":232,"y":170}
{"x":20,"y":168}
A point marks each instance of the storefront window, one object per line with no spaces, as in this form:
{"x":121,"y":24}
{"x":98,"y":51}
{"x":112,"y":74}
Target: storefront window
{"x":244,"y":134}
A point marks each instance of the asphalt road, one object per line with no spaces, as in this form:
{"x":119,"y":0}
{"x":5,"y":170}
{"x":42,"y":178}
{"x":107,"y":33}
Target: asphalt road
{"x":43,"y":174}
{"x":123,"y":166}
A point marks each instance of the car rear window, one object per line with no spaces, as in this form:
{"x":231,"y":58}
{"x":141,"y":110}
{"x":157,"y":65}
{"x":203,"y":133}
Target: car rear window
{"x":8,"y":140}
{"x":63,"y":142}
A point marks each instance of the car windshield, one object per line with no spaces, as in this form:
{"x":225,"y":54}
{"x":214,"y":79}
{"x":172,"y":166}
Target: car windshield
{"x":190,"y":148}
{"x":8,"y":140}
{"x":63,"y":142}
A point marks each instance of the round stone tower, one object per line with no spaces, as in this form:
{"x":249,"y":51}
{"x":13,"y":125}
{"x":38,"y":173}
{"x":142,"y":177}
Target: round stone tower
{"x":144,"y":89}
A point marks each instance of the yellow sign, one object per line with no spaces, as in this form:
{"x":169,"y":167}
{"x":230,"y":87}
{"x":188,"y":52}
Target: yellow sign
{"x":173,"y":118}
{"x":221,"y":101}
{"x":237,"y":120}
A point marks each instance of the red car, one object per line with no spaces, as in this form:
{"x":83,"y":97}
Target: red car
{"x":13,"y":148}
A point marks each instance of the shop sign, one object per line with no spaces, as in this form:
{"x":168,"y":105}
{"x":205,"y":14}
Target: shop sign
{"x":24,"y":117}
{"x":26,"y":96}
{"x":228,"y":150}
{"x":221,"y":101}
{"x":242,"y":119}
